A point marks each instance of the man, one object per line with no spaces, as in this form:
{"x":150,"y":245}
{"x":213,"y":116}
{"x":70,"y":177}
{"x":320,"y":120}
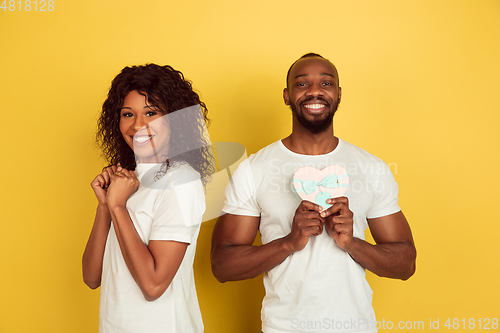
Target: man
{"x":314,"y":278}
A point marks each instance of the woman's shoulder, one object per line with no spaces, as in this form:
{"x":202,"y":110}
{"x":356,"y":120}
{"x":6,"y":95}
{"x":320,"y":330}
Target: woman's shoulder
{"x":182,"y":173}
{"x":154,"y":177}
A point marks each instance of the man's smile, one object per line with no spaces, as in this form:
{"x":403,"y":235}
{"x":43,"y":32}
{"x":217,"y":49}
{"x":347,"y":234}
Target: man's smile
{"x":315,"y":105}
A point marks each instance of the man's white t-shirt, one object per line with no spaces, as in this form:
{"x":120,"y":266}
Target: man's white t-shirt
{"x":320,"y":288}
{"x":168,"y":209}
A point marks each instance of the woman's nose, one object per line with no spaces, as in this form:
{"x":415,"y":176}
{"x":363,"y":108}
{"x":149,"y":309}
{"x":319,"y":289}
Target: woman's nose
{"x":138,"y":123}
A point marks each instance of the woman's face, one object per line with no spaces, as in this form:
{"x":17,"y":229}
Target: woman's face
{"x":145,"y":128}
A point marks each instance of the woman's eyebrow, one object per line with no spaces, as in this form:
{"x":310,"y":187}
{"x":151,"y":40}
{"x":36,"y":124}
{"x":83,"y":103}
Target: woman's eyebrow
{"x":145,"y":107}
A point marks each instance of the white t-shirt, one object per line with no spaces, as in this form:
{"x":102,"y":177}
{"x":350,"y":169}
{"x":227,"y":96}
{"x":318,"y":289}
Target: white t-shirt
{"x":170,"y":209}
{"x":321,"y":288}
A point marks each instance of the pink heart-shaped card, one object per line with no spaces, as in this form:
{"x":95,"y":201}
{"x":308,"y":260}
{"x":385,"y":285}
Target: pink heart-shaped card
{"x":319,"y":185}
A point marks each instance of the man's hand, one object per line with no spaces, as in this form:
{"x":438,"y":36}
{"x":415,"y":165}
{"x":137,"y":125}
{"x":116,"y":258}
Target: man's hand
{"x":339,"y":222}
{"x":235,"y":258}
{"x":306,"y":223}
{"x":394,"y":253}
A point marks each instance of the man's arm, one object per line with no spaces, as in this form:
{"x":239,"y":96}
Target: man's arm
{"x":393,"y":255}
{"x":235,"y":258}
{"x":395,"y":252}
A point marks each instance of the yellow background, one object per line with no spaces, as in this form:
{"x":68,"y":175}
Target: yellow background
{"x":421,"y":83}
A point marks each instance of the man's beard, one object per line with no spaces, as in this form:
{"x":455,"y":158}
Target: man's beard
{"x":320,"y":122}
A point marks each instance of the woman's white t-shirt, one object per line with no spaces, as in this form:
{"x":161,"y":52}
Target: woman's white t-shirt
{"x":168,"y":209}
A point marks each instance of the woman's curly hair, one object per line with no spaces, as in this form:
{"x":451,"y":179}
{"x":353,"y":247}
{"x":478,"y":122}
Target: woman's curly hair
{"x":167,"y":90}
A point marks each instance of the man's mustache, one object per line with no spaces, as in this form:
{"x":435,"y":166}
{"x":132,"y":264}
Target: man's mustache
{"x":318,"y":98}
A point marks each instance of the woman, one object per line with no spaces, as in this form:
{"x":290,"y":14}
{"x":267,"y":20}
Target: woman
{"x":152,"y":131}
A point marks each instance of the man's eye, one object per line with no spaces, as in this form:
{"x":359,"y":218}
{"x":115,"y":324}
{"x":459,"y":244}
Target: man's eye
{"x":327,"y":83}
{"x":301,"y":84}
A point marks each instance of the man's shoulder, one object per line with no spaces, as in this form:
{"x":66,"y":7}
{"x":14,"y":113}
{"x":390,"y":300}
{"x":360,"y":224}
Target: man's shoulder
{"x":257,"y":165}
{"x":265,"y":153}
{"x":359,"y":153}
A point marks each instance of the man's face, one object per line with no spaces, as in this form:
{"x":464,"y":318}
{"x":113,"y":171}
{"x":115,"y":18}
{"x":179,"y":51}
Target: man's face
{"x":313,"y":93}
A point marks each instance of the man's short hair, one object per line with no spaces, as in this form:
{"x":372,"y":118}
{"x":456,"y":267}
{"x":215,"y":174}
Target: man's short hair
{"x":307,"y":55}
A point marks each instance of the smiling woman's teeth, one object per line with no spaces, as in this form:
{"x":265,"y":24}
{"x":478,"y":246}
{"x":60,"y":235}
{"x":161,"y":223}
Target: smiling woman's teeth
{"x":141,"y":139}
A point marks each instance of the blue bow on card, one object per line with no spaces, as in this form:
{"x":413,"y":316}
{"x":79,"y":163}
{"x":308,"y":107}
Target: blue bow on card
{"x":330,"y":181}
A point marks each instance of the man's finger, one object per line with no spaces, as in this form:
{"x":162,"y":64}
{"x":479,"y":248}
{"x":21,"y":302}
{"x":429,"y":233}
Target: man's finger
{"x":308,"y":205}
{"x":333,"y":201}
{"x":342,"y":223}
{"x":342,"y":220}
{"x":311,"y":214}
{"x":339,"y":207}
{"x":312,"y":230}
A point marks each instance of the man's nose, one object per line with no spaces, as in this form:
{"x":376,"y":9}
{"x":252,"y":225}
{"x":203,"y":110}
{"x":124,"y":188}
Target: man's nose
{"x":315,"y":90}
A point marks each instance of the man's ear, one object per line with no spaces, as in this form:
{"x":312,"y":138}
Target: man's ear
{"x":286,"y":97}
{"x":340,"y":94}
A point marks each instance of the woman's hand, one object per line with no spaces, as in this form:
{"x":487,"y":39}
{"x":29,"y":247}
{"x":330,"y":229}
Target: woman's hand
{"x":101,"y":183}
{"x":122,"y":184}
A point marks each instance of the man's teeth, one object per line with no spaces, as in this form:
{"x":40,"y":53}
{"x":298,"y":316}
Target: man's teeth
{"x":141,"y":139}
{"x":314,"y":106}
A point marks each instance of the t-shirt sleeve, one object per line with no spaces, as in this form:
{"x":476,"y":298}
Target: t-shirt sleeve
{"x":386,"y":192}
{"x":178,"y":212}
{"x":240,"y":193}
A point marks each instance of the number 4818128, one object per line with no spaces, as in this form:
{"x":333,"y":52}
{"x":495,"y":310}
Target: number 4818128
{"x":481,"y":323}
{"x":27,"y":5}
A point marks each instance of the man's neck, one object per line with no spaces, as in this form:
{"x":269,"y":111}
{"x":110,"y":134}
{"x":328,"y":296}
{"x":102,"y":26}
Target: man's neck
{"x":301,"y":141}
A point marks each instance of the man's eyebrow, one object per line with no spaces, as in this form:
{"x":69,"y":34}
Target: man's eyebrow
{"x":324,"y":74}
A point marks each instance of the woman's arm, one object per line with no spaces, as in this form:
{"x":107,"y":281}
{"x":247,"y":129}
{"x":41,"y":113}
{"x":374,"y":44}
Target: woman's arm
{"x":152,"y":266}
{"x":94,"y":251}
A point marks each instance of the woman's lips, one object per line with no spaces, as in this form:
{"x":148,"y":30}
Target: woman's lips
{"x":142,"y":139}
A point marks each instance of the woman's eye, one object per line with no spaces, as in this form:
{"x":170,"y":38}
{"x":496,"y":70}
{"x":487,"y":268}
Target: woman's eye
{"x":151,"y":113}
{"x":127,"y":114}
